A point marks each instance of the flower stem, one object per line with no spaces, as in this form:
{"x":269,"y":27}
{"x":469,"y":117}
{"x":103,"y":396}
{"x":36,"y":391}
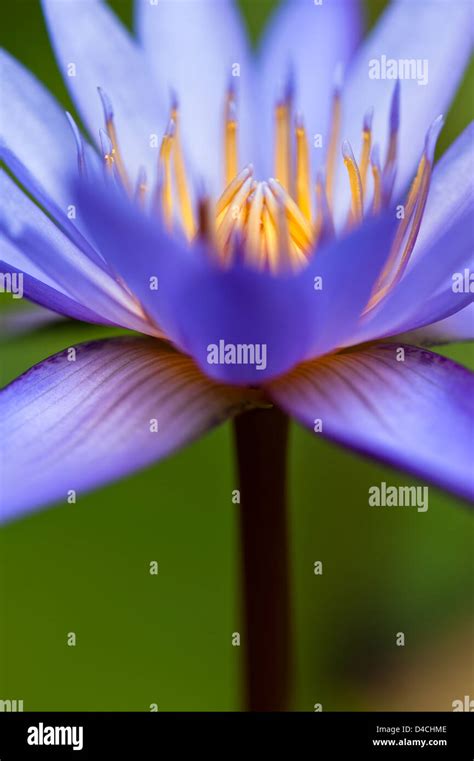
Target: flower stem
{"x":261,"y":443}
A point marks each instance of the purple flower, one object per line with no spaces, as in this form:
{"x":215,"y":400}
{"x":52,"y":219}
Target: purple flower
{"x":307,"y":291}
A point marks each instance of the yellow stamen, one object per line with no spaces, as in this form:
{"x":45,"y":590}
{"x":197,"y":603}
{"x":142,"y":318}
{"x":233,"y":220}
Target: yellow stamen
{"x":324,"y":224}
{"x":318,"y":225}
{"x":413,"y":196}
{"x":166,"y":184}
{"x":117,"y":156}
{"x":184,"y":197}
{"x":284,"y":243}
{"x":274,"y":222}
{"x":377,"y":199}
{"x":254,"y":227}
{"x":299,"y":228}
{"x":107,"y":152}
{"x":271,"y":239}
{"x":420,"y":207}
{"x":283,"y":144}
{"x":233,"y":216}
{"x":357,"y":209}
{"x":333,"y":144}
{"x":230,"y":139}
{"x":365,"y":152}
{"x":303,"y":183}
{"x":391,"y":151}
{"x":296,"y":227}
{"x":299,"y":258}
{"x":109,"y":161}
{"x":416,"y":202}
{"x":232,"y":189}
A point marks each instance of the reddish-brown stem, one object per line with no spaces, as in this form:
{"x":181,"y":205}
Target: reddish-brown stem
{"x":261,"y":438}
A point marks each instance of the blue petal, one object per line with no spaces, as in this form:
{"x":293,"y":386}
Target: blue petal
{"x":416,"y":414}
{"x":77,"y":421}
{"x":436,"y":32}
{"x":194,"y":49}
{"x":38,"y":288}
{"x":86,"y":35}
{"x":349,"y":269}
{"x":41,"y":250}
{"x":443,"y":251}
{"x":451,"y":193}
{"x":427,"y":294}
{"x":458,"y":327}
{"x":309,"y":41}
{"x":35,"y":128}
{"x":74,"y":231}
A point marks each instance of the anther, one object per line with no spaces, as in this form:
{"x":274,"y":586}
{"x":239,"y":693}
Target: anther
{"x":165,"y":174}
{"x":233,"y":214}
{"x":366,"y":146}
{"x":299,"y":228}
{"x":391,"y":156}
{"x":303,"y":182}
{"x":112,"y":133}
{"x":324,"y":227}
{"x":334,"y":133}
{"x":182,"y":189}
{"x":377,"y":178}
{"x":107,"y":149}
{"x":357,"y":208}
{"x":254,"y":229}
{"x":283,"y":115}
{"x":414,"y":209}
{"x":230,"y":137}
{"x":232,"y":189}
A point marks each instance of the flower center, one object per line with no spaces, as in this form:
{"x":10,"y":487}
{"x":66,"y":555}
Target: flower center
{"x":279,"y":223}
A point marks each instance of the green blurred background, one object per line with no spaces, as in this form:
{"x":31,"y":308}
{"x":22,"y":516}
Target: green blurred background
{"x":166,"y":639}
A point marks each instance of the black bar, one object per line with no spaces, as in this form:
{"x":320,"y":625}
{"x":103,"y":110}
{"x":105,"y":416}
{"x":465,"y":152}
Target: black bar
{"x":222,"y":735}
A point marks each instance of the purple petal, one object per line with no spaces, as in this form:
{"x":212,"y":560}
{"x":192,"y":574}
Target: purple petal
{"x":196,"y":49}
{"x":349,"y":269}
{"x":310,"y":42}
{"x":458,"y":327}
{"x":87,"y":35}
{"x":37,"y":289}
{"x":74,"y":231}
{"x":40,"y":249}
{"x":451,"y":193}
{"x":199,"y":304}
{"x":437,"y":286}
{"x":408,"y":30}
{"x":443,"y":252}
{"x":416,"y":414}
{"x":441,"y":307}
{"x":73,"y":425}
{"x":35,"y":128}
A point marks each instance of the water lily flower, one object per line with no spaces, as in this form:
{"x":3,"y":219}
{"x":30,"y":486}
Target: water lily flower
{"x":246,"y":224}
{"x":274,"y":227}
{"x":242,"y":214}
